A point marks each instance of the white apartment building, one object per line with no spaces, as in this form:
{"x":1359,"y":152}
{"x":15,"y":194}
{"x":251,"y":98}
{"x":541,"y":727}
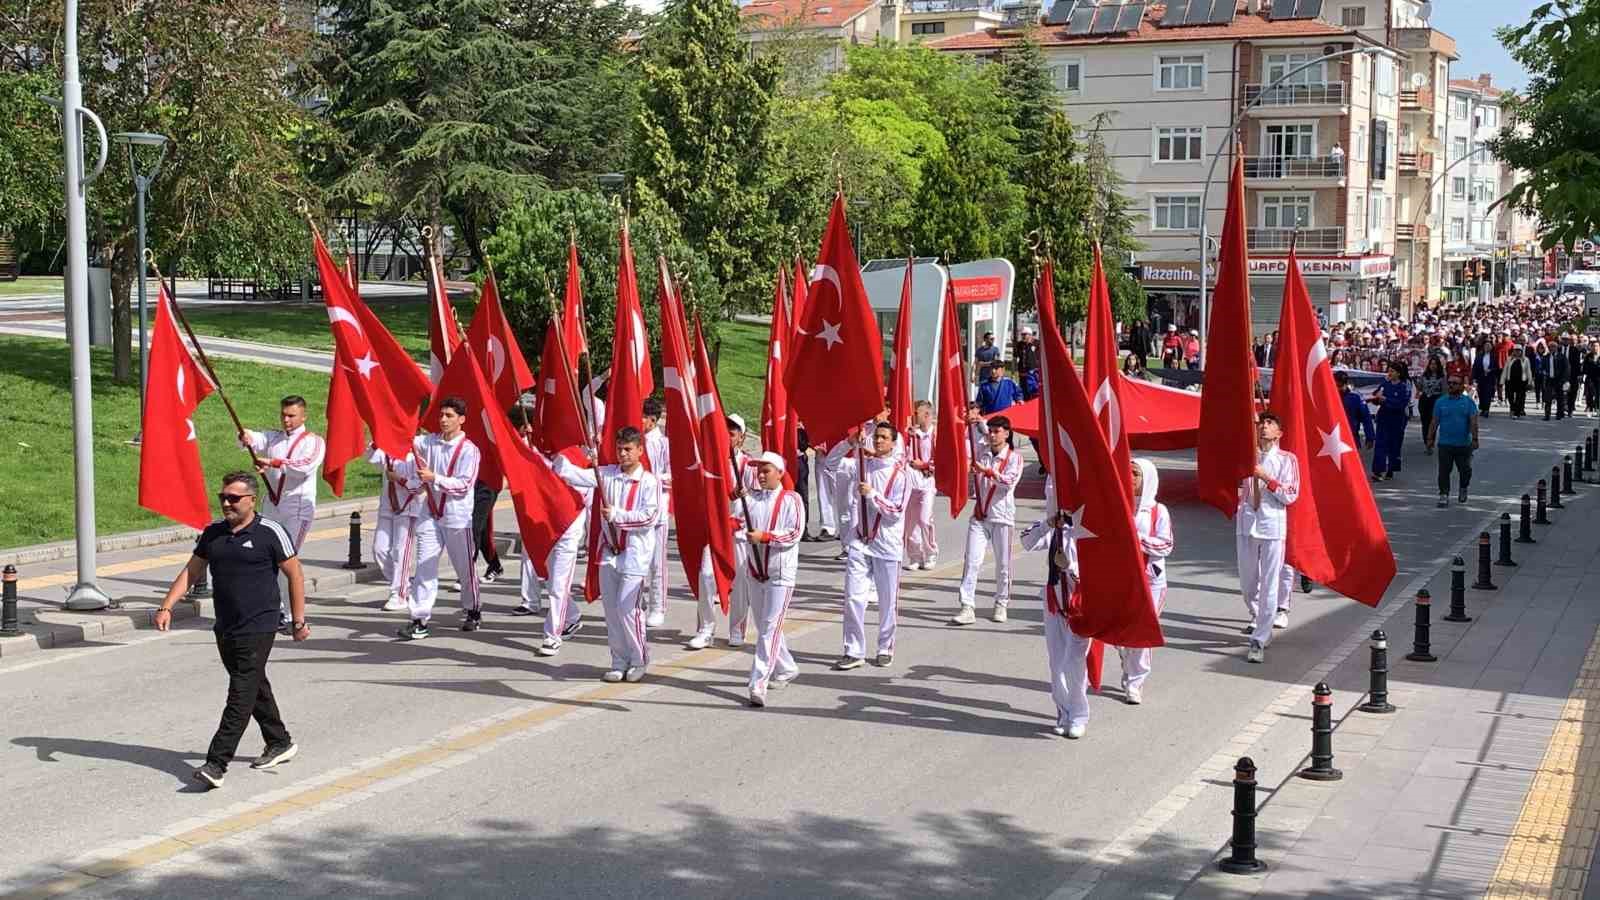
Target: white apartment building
{"x":1497,"y":241}
{"x":1166,"y":82}
{"x":831,"y":25}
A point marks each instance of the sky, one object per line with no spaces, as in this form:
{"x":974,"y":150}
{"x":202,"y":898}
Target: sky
{"x":1472,"y":23}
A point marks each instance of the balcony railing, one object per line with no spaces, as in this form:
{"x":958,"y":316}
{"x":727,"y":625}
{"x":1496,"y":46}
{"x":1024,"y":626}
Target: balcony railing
{"x":1286,"y":167}
{"x":1415,"y":162}
{"x":1407,"y":232}
{"x":1418,"y":100}
{"x":1308,"y":238}
{"x":1330,"y":93}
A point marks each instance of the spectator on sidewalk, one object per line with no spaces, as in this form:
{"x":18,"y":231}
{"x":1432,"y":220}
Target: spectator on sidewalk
{"x":1027,"y":362}
{"x":1171,"y":349}
{"x":1191,"y":351}
{"x":985,"y":357}
{"x":999,"y":392}
{"x":1455,"y":433}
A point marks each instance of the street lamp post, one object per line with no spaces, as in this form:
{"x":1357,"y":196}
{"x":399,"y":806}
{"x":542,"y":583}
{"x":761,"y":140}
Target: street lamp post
{"x":1227,"y":139}
{"x":141,"y":187}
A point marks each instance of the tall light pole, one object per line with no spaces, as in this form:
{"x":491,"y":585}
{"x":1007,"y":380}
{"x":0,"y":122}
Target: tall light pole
{"x":141,"y":186}
{"x":84,"y":595}
{"x":1228,"y":139}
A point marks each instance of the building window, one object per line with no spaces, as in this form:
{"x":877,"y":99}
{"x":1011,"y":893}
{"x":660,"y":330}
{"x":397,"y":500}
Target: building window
{"x":1295,"y":139}
{"x":1286,"y":211}
{"x":1359,"y":144}
{"x":927,"y":28}
{"x":1458,"y":107}
{"x":1353,"y":16}
{"x":1490,"y":116}
{"x":1180,"y":73}
{"x":1377,"y":210}
{"x":1067,"y":75}
{"x":1175,"y":212}
{"x":1483,"y":190}
{"x":1458,"y":228}
{"x":1385,"y":74}
{"x":1458,"y":148}
{"x":1280,"y":64}
{"x":1179,"y":144}
{"x":1458,"y":187}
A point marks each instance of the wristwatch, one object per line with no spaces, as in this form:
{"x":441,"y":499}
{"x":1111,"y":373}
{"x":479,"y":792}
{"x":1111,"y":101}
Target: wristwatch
{"x":299,"y":625}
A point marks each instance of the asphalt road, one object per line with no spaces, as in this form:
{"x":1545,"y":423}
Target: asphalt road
{"x":936,"y":777}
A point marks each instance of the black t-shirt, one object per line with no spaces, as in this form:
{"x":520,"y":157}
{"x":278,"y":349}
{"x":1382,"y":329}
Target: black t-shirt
{"x":244,"y":573}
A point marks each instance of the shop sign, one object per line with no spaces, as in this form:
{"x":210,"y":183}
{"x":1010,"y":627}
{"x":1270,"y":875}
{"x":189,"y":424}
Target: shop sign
{"x":978,"y":290}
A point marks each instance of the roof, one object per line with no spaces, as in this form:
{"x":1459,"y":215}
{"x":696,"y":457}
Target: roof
{"x":766,"y":14}
{"x":1245,"y":26}
{"x":1475,"y":86}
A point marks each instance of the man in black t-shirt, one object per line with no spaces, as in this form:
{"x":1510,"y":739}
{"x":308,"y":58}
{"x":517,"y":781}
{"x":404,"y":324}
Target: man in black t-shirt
{"x":245,"y":552}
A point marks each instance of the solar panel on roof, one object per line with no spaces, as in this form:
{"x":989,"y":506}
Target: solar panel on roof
{"x":1308,"y":9}
{"x":1105,"y":19}
{"x":1130,"y":17}
{"x":1082,"y":18}
{"x":1295,"y":9}
{"x":1060,"y":12}
{"x":1222,"y":12}
{"x":1177,"y":11}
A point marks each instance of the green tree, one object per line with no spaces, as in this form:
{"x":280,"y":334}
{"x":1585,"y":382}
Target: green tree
{"x":703,"y":142}
{"x":1034,"y":98}
{"x":30,"y":187}
{"x":1554,"y":123}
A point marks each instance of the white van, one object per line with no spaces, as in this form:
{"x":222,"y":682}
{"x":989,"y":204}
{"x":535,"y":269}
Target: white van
{"x":1582,"y":281}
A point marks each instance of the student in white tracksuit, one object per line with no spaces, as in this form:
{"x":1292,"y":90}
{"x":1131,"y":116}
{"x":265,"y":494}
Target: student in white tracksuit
{"x":708,"y":612}
{"x":1066,"y":653}
{"x":628,"y":502}
{"x":922,"y":546}
{"x":777,"y":518}
{"x":289,"y":462}
{"x":874,"y":539}
{"x":1261,"y":525}
{"x":563,"y":617}
{"x":1153,"y":523}
{"x":394,"y":538}
{"x":831,"y":491}
{"x":658,"y":456}
{"x":447,"y":466}
{"x":994,"y":509}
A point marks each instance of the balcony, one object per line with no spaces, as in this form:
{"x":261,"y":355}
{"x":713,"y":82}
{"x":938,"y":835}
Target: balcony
{"x":1415,"y":163}
{"x":1331,"y":93}
{"x":1293,"y":168}
{"x":1416,"y":101}
{"x":1408,"y":232}
{"x":1279,"y":239}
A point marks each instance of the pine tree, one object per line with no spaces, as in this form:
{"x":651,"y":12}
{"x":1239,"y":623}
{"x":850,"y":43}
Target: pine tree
{"x":1034,"y":98}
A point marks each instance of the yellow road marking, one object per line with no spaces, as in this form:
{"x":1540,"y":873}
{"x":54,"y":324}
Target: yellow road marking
{"x":1553,"y":842}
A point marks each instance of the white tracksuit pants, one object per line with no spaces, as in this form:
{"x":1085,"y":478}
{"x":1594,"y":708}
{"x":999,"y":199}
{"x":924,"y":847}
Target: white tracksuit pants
{"x":862,"y":575}
{"x":1067,"y":655}
{"x":769,"y":604}
{"x":658,"y":570}
{"x":1260,"y":580}
{"x":563,"y":566}
{"x":709,"y":611}
{"x":1136,"y":660}
{"x":921,"y":544}
{"x":827,"y":488}
{"x":982,"y":535}
{"x":298,"y":524}
{"x":393,"y":548}
{"x":621,"y":594}
{"x":433,"y":541}
{"x":1286,"y":587}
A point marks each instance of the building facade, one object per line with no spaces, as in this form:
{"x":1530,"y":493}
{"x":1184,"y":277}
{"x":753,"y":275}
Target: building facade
{"x":1484,"y":244}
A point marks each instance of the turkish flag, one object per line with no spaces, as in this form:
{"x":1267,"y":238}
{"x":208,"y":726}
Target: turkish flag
{"x":1226,"y":454}
{"x":776,"y":418}
{"x":630,"y":380}
{"x":717,"y":452}
{"x":835,"y":376}
{"x":1112,"y":603}
{"x":1104,"y":382}
{"x":900,"y":379}
{"x":560,"y":421}
{"x":385,"y":383}
{"x":952,"y":450}
{"x":544,"y":504}
{"x":491,"y":338}
{"x":1350,"y":553}
{"x":171,"y":481}
{"x":347,"y":437}
{"x":444,"y":335}
{"x":573,"y":330}
{"x":699,"y":493}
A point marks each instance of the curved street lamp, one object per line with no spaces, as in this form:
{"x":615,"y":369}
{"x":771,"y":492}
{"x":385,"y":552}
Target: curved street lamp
{"x":141,"y":186}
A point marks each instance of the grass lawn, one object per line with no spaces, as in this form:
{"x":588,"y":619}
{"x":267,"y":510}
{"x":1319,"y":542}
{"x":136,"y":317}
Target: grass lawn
{"x":36,"y":437}
{"x":742,"y":370}
{"x":31,"y":284}
{"x":306,"y":325}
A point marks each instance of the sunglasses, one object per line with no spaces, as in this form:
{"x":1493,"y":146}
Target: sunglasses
{"x":231,"y":499}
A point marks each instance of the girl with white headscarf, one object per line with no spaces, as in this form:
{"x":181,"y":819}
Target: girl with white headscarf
{"x":1153,"y":523}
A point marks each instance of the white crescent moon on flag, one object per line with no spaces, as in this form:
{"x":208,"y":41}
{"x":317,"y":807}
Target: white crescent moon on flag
{"x":497,"y":359}
{"x":340,"y":314}
{"x":1070,"y":448}
{"x":488,"y":423}
{"x":1315,"y":357}
{"x":636,"y":341}
{"x":828,"y":273}
{"x":1105,"y":397}
{"x":181,"y":380}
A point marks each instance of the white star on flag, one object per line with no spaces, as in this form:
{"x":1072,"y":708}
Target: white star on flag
{"x":366,"y":364}
{"x":830,"y":333}
{"x":1076,"y":529}
{"x":1333,"y":445}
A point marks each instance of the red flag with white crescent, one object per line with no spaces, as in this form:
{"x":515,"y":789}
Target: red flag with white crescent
{"x":171,"y":480}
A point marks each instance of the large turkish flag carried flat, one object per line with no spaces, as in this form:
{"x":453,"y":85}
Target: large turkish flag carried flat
{"x":171,"y":481}
{"x":900,"y":379}
{"x":387,"y":386}
{"x":1226,"y":454}
{"x":630,"y":380}
{"x":1113,"y":602}
{"x":1336,"y":536}
{"x":835,"y":378}
{"x":952,"y":451}
{"x":777,"y":429}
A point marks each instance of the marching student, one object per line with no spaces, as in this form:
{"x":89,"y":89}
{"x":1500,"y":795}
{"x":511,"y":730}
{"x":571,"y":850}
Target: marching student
{"x":995,"y":474}
{"x":1153,"y":523}
{"x":831,"y":492}
{"x":771,"y":536}
{"x":708,"y":612}
{"x":658,"y":455}
{"x":446,"y":464}
{"x":1066,"y":653}
{"x":288,"y":461}
{"x":629,"y":505}
{"x":394,"y":540}
{"x":744,"y":471}
{"x":562,"y":618}
{"x":1260,"y":526}
{"x":922,"y":546}
{"x":874,"y":540}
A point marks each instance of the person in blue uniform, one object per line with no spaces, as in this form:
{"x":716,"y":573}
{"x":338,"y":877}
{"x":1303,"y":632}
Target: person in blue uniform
{"x":1394,"y":403}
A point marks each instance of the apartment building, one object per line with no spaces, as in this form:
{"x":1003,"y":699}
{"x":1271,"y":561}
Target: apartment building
{"x":825,"y":27}
{"x":1496,"y":241}
{"x":1424,"y":136}
{"x":1168,"y":83}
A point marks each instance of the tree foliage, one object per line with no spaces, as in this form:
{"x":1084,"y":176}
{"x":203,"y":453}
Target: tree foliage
{"x":1553,"y":125}
{"x":30,"y":189}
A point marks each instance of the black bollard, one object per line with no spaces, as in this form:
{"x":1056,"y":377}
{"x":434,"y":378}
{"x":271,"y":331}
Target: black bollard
{"x":201,"y":589}
{"x":1242,"y":857}
{"x":8,"y":604}
{"x":1525,"y":521}
{"x":1419,"y":643}
{"x":1555,"y":488}
{"x":354,"y":562}
{"x":1566,"y":475}
{"x":1484,"y":582}
{"x":1505,"y":542}
{"x":1458,"y":592}
{"x":1378,"y":688}
{"x":1539,"y":517}
{"x":1321,"y":768}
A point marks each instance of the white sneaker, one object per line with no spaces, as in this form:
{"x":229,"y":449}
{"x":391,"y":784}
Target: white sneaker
{"x":758,"y":699}
{"x":999,"y":614}
{"x":1281,"y":620}
{"x":612,"y":676}
{"x":1256,"y":654}
{"x":1060,"y":730}
{"x":394,"y":603}
{"x":700,"y":642}
{"x":735,"y":643}
{"x":550,"y":647}
{"x":965,"y":617}
{"x":930,"y":562}
{"x":1076,"y":731}
{"x":634,"y":675}
{"x":655,"y":619}
{"x":1133,"y":695}
{"x":911,"y":567}
{"x":455,"y":588}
